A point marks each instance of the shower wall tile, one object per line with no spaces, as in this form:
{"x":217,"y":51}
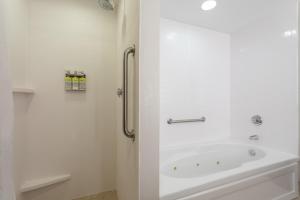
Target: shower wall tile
{"x":195,"y":82}
{"x":265,"y":78}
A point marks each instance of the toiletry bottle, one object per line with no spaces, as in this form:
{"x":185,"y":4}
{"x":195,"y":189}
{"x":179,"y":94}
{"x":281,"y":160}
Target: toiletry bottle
{"x":68,"y":81}
{"x":82,"y":81}
{"x":75,"y":82}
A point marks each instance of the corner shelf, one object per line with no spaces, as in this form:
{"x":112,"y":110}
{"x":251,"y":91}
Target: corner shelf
{"x":42,"y":183}
{"x":23,"y":91}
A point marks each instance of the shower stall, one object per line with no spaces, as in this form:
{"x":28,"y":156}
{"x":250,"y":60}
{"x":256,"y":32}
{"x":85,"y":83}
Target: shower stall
{"x":73,"y":66}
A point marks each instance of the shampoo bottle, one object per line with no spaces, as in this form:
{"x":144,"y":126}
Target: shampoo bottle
{"x":68,"y":81}
{"x":82,"y":81}
{"x":75,"y":82}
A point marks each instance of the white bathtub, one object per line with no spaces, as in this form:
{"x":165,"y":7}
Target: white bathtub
{"x":199,"y":172}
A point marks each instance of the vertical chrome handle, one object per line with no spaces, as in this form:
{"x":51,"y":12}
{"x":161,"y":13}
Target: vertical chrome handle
{"x":128,"y":133}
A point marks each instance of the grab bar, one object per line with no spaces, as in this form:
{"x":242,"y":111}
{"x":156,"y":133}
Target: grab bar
{"x":128,"y":133}
{"x":171,"y":121}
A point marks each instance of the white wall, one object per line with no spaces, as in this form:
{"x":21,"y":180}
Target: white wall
{"x":58,"y":132}
{"x":127,"y":150}
{"x":265,"y":79}
{"x":16,"y":30}
{"x":7,"y":190}
{"x":195,"y":82}
{"x":16,"y":14}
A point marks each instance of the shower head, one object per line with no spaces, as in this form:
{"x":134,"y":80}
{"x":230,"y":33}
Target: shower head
{"x":107,"y":4}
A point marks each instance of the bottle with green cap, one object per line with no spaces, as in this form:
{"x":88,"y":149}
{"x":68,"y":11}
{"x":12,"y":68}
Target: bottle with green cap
{"x":75,"y":81}
{"x":82,"y":81}
{"x":68,"y":81}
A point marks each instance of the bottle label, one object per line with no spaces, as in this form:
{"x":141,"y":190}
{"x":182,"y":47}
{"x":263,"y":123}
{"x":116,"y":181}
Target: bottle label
{"x":68,"y":83}
{"x":75,"y":83}
{"x":82,"y":83}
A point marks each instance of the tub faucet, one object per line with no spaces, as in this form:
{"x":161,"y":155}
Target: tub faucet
{"x":254,"y":137}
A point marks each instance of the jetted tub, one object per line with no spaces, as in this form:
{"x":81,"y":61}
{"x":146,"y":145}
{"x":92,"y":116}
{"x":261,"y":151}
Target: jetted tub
{"x":227,"y":171}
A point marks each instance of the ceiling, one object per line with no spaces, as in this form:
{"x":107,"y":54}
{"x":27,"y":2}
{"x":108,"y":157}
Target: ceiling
{"x":228,"y":16}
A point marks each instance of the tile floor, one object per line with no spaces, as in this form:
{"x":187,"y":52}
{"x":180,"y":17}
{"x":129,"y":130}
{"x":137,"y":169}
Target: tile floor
{"x":112,"y":195}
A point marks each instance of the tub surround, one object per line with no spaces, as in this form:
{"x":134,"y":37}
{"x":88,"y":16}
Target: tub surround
{"x":264,"y":79}
{"x":194,"y":82}
{"x":230,"y":77}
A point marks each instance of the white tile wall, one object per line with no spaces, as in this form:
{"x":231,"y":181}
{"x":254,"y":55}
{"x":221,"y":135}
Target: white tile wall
{"x":229,"y":78}
{"x":265,"y":78}
{"x":195,"y":82}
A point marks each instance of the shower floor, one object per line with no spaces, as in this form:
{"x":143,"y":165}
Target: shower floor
{"x":112,"y":195}
{"x":299,"y":193}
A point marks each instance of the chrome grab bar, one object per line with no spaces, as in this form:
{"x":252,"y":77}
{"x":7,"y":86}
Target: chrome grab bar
{"x":171,"y":121}
{"x":128,"y":133}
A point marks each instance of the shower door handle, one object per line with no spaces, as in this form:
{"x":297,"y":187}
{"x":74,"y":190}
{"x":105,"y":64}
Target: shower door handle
{"x":128,"y":133}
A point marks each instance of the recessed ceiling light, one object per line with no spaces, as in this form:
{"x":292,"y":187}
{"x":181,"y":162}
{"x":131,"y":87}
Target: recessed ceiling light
{"x":208,"y":5}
